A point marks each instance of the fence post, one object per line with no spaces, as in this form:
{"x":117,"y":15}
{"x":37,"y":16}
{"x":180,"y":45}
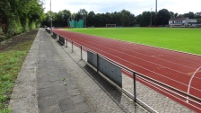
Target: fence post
{"x":134,"y":86}
{"x":66,"y":43}
{"x":72,"y":46}
{"x":81,"y":52}
{"x":97,"y":62}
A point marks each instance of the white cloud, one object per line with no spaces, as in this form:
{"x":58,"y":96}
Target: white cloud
{"x":134,"y":6}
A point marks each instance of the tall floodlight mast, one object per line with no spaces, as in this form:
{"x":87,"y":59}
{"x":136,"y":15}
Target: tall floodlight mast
{"x":156,"y":18}
{"x":50,"y":16}
{"x":156,"y":6}
{"x":151,"y":18}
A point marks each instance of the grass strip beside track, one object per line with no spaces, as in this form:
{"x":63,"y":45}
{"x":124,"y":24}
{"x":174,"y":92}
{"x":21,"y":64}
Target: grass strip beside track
{"x":180,"y":39}
{"x":12,"y":56}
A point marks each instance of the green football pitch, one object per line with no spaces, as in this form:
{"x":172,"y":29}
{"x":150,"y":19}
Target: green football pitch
{"x":180,"y":39}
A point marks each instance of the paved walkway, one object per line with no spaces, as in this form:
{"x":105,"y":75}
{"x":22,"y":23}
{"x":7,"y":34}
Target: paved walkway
{"x":54,"y":80}
{"x":57,"y":93}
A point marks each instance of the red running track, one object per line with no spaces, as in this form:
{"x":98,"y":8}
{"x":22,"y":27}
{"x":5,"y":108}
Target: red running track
{"x":170,"y":67}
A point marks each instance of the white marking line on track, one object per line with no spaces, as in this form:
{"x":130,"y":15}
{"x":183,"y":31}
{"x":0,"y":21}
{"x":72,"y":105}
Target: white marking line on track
{"x":190,"y":81}
{"x":167,"y":91}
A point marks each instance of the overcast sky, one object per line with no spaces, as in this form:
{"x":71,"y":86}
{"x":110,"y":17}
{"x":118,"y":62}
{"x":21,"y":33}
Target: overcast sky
{"x":134,"y":6}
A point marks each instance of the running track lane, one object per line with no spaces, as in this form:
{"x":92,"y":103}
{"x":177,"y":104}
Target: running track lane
{"x":172,"y":68}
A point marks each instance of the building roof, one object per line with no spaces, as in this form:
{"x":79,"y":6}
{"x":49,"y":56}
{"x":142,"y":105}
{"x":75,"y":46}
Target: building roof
{"x":179,"y":18}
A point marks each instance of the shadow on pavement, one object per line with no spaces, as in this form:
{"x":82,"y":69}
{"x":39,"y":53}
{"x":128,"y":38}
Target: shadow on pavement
{"x":111,"y":90}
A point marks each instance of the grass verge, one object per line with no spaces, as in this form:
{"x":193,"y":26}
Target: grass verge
{"x":11,"y":60}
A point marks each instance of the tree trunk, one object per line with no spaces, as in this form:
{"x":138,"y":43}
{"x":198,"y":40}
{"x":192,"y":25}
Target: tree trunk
{"x":3,"y":26}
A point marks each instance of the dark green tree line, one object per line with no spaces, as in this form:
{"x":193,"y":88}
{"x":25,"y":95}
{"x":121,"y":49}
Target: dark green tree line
{"x":17,"y":16}
{"x":123,"y":18}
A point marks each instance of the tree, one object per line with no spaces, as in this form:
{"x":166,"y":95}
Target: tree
{"x":61,"y":18}
{"x":172,"y":14}
{"x":17,"y":16}
{"x":66,"y":16}
{"x":83,"y":15}
{"x":163,"y":17}
{"x":190,"y":15}
{"x":126,"y":18}
{"x":90,"y":18}
{"x":144,"y":19}
{"x":176,"y":15}
{"x":147,"y":18}
{"x":198,"y":15}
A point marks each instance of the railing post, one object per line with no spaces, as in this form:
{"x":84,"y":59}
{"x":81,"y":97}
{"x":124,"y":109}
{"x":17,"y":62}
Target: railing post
{"x":134,"y":87}
{"x":81,"y":52}
{"x":97,"y":62}
{"x":72,"y":46}
{"x":66,"y":43}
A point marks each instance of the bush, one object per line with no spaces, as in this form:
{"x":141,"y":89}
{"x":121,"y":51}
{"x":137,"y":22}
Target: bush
{"x":14,"y":26}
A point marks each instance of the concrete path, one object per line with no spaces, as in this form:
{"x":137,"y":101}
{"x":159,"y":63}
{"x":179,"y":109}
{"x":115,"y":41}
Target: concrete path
{"x":57,"y":93}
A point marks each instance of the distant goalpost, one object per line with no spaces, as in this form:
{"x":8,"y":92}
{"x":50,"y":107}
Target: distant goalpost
{"x":111,"y":25}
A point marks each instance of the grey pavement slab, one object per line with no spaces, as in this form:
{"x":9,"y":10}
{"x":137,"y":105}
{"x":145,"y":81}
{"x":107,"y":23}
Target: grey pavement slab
{"x":55,"y":89}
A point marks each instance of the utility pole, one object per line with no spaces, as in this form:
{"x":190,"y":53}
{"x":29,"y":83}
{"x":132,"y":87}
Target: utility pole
{"x":151,"y":18}
{"x":156,"y":20}
{"x":85,"y":20}
{"x":50,"y":17}
{"x":156,"y":6}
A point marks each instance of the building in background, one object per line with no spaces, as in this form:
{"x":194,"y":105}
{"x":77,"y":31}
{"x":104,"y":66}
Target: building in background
{"x":183,"y":22}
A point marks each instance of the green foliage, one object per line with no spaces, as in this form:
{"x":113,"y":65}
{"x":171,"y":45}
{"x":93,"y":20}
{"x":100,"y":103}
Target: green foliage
{"x":19,"y":15}
{"x":10,"y":64}
{"x":26,"y":24}
{"x":163,"y":17}
{"x":186,"y":40}
{"x":123,"y":18}
{"x":8,"y":72}
{"x":60,"y":19}
{"x":146,"y":18}
{"x":32,"y":25}
{"x":6,"y":110}
{"x":14,"y":26}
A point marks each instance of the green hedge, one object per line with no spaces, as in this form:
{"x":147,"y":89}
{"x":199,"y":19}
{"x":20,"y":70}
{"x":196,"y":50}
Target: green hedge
{"x":17,"y":26}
